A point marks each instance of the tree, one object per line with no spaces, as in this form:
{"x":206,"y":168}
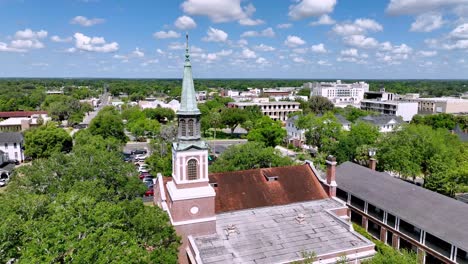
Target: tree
{"x":350,"y":143}
{"x":318,"y":105}
{"x":44,"y":141}
{"x":268,"y":131}
{"x":143,"y":126}
{"x":108,"y":123}
{"x":446,"y":121}
{"x":254,"y":114}
{"x":321,"y":131}
{"x":162,"y":115}
{"x":82,"y":208}
{"x":160,"y":160}
{"x":251,"y":155}
{"x":232,"y":117}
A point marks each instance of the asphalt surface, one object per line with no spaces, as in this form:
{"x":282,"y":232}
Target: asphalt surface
{"x":219,"y":146}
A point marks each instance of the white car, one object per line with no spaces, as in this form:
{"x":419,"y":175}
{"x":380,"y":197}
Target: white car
{"x":141,"y":157}
{"x":143,"y":168}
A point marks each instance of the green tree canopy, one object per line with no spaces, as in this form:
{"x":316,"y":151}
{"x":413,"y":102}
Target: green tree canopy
{"x":350,"y":143}
{"x":318,"y":105}
{"x":250,"y":155}
{"x":232,"y":117}
{"x":268,"y":131}
{"x":108,"y":123}
{"x":160,"y":114}
{"x":321,"y":131}
{"x":44,"y":141}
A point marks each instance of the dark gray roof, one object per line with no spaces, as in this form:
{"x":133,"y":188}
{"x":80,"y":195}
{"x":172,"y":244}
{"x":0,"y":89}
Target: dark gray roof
{"x":439,"y":215}
{"x":381,"y":119}
{"x":342,"y":120}
{"x":461,"y":134}
{"x":10,"y":137}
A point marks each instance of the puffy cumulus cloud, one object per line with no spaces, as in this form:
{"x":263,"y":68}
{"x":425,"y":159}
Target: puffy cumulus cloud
{"x":29,"y":34}
{"x":24,"y":40}
{"x":242,"y":42}
{"x":263,"y":47}
{"x":86,"y":22}
{"x":402,"y":49}
{"x":149,"y":62}
{"x":353,"y":55}
{"x":323,"y":63}
{"x":268,"y":32}
{"x":261,"y":61}
{"x":427,"y":53}
{"x":215,"y":35}
{"x":220,"y":11}
{"x":427,"y":22}
{"x":399,"y":7}
{"x":300,"y":50}
{"x":283,"y":26}
{"x":176,"y":46}
{"x":459,"y":44}
{"x":319,"y":48}
{"x":185,"y":23}
{"x":395,"y":55}
{"x":358,"y":27}
{"x":248,"y":54}
{"x":460,"y":32}
{"x":361,"y":41}
{"x":56,"y":38}
{"x":323,"y":20}
{"x":138,"y":53}
{"x":299,"y":60}
{"x":308,"y":8}
{"x":385,"y":46}
{"x":293,"y":41}
{"x":166,"y":34}
{"x":94,"y":44}
{"x":350,"y":53}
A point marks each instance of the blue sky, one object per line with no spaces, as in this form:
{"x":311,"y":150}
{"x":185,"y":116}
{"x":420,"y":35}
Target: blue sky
{"x":235,"y":38}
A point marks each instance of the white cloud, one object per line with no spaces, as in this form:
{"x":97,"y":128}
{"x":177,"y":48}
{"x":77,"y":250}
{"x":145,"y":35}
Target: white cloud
{"x":94,"y":44}
{"x":319,"y":48}
{"x":215,"y":35}
{"x":308,"y":8}
{"x":353,"y":55}
{"x":427,"y":22}
{"x":39,"y":64}
{"x":224,"y":53}
{"x":402,"y":49}
{"x":263,"y":47}
{"x":358,"y":27}
{"x":261,"y":60}
{"x":166,"y":34}
{"x":86,"y":22}
{"x":59,"y":39}
{"x":427,"y":53}
{"x":386,"y":46}
{"x":220,"y":11}
{"x":176,"y":46}
{"x":138,"y":53}
{"x":323,"y":63}
{"x":7,"y":48}
{"x":300,"y":50}
{"x":268,"y":32}
{"x":350,"y":53}
{"x":185,"y":23}
{"x":361,"y":41}
{"x":148,"y":62}
{"x":25,"y":44}
{"x":460,"y":32}
{"x":399,"y":7}
{"x":299,"y":60}
{"x":160,"y":51}
{"x":242,"y":42}
{"x":29,"y":34}
{"x":323,"y":20}
{"x":283,"y":26}
{"x":248,"y":54}
{"x":293,"y":41}
{"x":459,"y":44}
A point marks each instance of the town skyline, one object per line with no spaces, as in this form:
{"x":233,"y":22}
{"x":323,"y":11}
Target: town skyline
{"x":233,"y":39}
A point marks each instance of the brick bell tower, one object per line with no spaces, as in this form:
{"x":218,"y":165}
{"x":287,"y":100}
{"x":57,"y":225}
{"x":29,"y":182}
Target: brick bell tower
{"x":191,"y":203}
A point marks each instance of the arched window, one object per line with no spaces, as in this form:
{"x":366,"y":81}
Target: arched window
{"x":190,"y":127}
{"x":192,"y":170}
{"x":183,"y":128}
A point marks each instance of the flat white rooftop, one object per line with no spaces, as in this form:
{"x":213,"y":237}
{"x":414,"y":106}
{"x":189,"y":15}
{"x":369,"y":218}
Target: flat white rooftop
{"x":274,"y":235}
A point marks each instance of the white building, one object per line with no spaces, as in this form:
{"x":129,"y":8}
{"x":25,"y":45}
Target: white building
{"x":173,"y":104}
{"x":395,"y":108}
{"x":275,"y":110}
{"x":340,"y":94}
{"x":295,"y":135}
{"x":385,"y":123}
{"x":448,"y":105}
{"x":11,"y":143}
{"x":16,"y":124}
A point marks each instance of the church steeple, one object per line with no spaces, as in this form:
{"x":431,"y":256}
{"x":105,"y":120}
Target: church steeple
{"x":188,"y":104}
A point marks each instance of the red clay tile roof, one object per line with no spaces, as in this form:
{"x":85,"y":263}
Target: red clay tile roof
{"x":239,"y":190}
{"x":20,"y":114}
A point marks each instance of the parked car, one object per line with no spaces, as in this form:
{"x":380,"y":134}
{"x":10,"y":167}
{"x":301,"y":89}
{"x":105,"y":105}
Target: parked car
{"x":139,"y":151}
{"x":145,"y":175}
{"x":141,"y":157}
{"x":150,"y":192}
{"x":143,"y":168}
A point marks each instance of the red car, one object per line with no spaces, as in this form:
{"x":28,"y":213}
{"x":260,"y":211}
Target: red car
{"x":144,"y":175}
{"x":150,"y":192}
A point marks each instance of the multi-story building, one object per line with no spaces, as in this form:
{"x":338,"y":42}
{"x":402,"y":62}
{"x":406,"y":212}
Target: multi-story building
{"x":404,"y":215}
{"x":446,"y":105}
{"x":341,"y":94}
{"x":270,"y":215}
{"x":385,"y":123}
{"x":11,"y":143}
{"x":29,"y":114}
{"x":275,"y":110}
{"x":404,"y":109}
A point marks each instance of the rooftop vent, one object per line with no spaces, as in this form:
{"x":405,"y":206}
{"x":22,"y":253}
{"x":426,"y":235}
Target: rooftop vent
{"x":300,"y":218}
{"x":231,"y":230}
{"x":270,"y":178}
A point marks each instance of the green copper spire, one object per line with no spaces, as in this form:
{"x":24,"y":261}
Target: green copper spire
{"x":188,"y":101}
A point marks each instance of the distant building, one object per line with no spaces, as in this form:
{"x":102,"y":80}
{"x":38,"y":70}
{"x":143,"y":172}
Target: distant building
{"x":396,"y":108}
{"x":279,"y":91}
{"x":405,"y":216}
{"x":289,"y":98}
{"x":12,"y":144}
{"x":385,"y":123}
{"x":17,"y":124}
{"x":446,"y":105}
{"x":173,"y":104}
{"x":381,"y":95}
{"x":275,"y":110}
{"x":5,"y":115}
{"x":340,"y":94}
